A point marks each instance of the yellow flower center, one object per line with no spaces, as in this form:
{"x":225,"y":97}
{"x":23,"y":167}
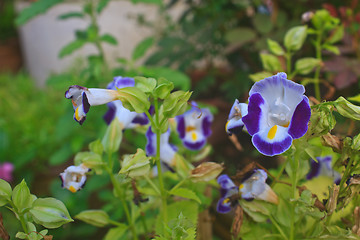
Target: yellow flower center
{"x":72,"y":189}
{"x":272,"y":132}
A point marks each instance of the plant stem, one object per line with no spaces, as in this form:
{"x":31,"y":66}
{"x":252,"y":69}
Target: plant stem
{"x":294,"y":163}
{"x":346,"y":173}
{"x":23,"y":223}
{"x":158,"y":163}
{"x":278,"y":227}
{"x":152,"y":184}
{"x":121,"y":196}
{"x":317,"y":71}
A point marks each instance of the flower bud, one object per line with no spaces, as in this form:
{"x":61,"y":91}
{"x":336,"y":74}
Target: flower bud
{"x":206,"y":172}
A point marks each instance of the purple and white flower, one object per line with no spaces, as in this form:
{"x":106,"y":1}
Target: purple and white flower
{"x":255,"y":187}
{"x":278,"y":112}
{"x":126,"y":118}
{"x":74,"y":177}
{"x":194,"y":126}
{"x":234,"y":124}
{"x":82,"y":98}
{"x":229,"y":194}
{"x":323,"y":168}
{"x":167,"y":151}
{"x":6,"y":171}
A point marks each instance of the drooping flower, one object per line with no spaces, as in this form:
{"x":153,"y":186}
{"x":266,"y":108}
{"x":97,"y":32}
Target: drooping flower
{"x":278,"y":112}
{"x":206,"y":171}
{"x":229,"y":194}
{"x":6,"y":170}
{"x":167,"y":151}
{"x":194,"y":126}
{"x":323,"y":168}
{"x":234,"y":124}
{"x":255,"y":187}
{"x":126,"y":118}
{"x":82,"y":98}
{"x":74,"y":177}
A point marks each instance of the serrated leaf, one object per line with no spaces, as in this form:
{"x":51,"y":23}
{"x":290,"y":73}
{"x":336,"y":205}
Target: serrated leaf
{"x":71,"y":15}
{"x":142,"y":47}
{"x":35,"y":9}
{"x":109,"y":39}
{"x":71,"y":47}
{"x":97,"y":218}
{"x":50,"y":212}
{"x":295,"y":38}
{"x":306,"y":65}
{"x":101,"y":5}
{"x":185,"y":193}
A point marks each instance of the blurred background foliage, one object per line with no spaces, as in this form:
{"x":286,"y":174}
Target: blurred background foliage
{"x":211,"y":49}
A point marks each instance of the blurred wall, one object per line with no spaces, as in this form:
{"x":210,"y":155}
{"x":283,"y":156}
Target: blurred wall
{"x":43,"y":37}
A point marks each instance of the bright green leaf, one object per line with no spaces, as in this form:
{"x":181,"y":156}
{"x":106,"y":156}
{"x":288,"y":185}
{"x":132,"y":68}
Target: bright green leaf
{"x":71,"y":15}
{"x":97,"y":218}
{"x":96,"y":147}
{"x":185,"y":193}
{"x":157,"y":2}
{"x":101,"y":5}
{"x":135,"y":165}
{"x":109,"y":39}
{"x":5,"y":190}
{"x":163,"y":88}
{"x":332,"y":49}
{"x":337,"y":35}
{"x":71,"y":47}
{"x":134,"y":99}
{"x":116,"y":233}
{"x":21,"y":197}
{"x":270,"y":62}
{"x":175,"y":104}
{"x":275,"y":47}
{"x":306,"y":65}
{"x":347,"y":109}
{"x":142,"y":47}
{"x":295,"y":38}
{"x":50,"y":212}
{"x":90,"y":160}
{"x":112,"y":138}
{"x":145,"y":84}
{"x":260,"y":76}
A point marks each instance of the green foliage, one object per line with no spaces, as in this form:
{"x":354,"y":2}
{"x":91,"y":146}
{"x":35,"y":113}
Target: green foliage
{"x":97,"y":218}
{"x":112,"y":138}
{"x":176,"y":103}
{"x":71,"y":47}
{"x":142,"y":47}
{"x":295,"y":38}
{"x":135,"y":165}
{"x":185,"y":193}
{"x":306,"y":65}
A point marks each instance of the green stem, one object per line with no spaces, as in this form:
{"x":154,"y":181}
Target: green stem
{"x":346,"y":174}
{"x":179,"y":184}
{"x":280,"y":173}
{"x":278,"y":227}
{"x":121,"y":196}
{"x":317,"y":71}
{"x":294,"y":163}
{"x":158,"y":163}
{"x":152,"y":184}
{"x":23,"y":223}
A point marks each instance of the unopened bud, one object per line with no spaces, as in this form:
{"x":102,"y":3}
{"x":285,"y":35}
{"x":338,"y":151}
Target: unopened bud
{"x":206,"y":172}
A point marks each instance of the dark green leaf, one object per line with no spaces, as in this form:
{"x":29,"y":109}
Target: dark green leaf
{"x":240,"y":35}
{"x":116,"y":233}
{"x":262,"y":23}
{"x":157,"y":2}
{"x":71,"y":15}
{"x":337,"y":35}
{"x":71,"y":47}
{"x":101,"y":5}
{"x":109,"y":39}
{"x":142,"y":47}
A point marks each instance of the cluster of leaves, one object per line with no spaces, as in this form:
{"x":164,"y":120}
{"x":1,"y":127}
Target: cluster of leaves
{"x":48,"y":212}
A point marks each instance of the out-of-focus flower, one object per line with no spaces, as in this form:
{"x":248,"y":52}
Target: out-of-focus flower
{"x":74,"y":177}
{"x":234,"y":124}
{"x":167,"y":151}
{"x":323,"y":168}
{"x":82,"y":98}
{"x":255,"y":187}
{"x":126,"y":118}
{"x":229,"y":194}
{"x":194,"y":126}
{"x":206,"y":171}
{"x":278,"y":112}
{"x":6,"y":170}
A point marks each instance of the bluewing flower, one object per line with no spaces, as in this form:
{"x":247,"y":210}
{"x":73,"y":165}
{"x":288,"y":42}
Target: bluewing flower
{"x":194,"y":126}
{"x":255,"y":187}
{"x":82,"y":98}
{"x":323,"y":168}
{"x":74,"y":177}
{"x":167,"y":151}
{"x":234,"y":124}
{"x":278,"y":112}
{"x":126,"y":118}
{"x":229,"y":194}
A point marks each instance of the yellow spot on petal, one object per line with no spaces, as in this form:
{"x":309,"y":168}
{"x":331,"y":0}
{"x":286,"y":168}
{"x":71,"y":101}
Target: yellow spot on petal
{"x":241,"y":186}
{"x":226,"y":200}
{"x":193,"y":136}
{"x":72,"y":189}
{"x":77,"y":114}
{"x":190,"y":128}
{"x":227,"y":123}
{"x":272,"y":132}
{"x":286,"y":125}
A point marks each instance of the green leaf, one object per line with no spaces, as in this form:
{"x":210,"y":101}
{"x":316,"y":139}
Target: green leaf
{"x":262,"y":23}
{"x":145,"y":84}
{"x":134,"y":99}
{"x":240,"y":35}
{"x":185,"y":193}
{"x":50,"y":212}
{"x":270,"y":62}
{"x":97,"y":218}
{"x":163,"y":88}
{"x":175,"y":104}
{"x":347,"y":109}
{"x":21,"y":235}
{"x":257,"y":210}
{"x":337,"y":35}
{"x":116,"y":233}
{"x":135,"y":165}
{"x":21,"y":197}
{"x":5,"y":191}
{"x":112,"y":138}
{"x":35,"y":9}
{"x":306,"y":65}
{"x":142,"y":47}
{"x":109,"y":39}
{"x":96,"y":147}
{"x":275,"y":47}
{"x":260,"y":76}
{"x":295,"y":38}
{"x":332,"y":49}
{"x":71,"y":47}
{"x":157,"y":2}
{"x":90,"y":160}
{"x":101,"y":5}
{"x":71,"y":15}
